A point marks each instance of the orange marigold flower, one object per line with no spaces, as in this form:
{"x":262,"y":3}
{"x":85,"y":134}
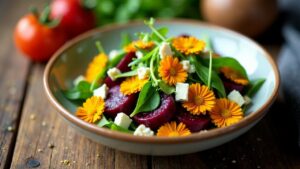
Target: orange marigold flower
{"x":132,"y":85}
{"x":226,"y":113}
{"x":172,"y":130}
{"x":200,"y":99}
{"x":171,"y":71}
{"x":234,"y":76}
{"x":188,"y":45}
{"x":139,"y":44}
{"x":92,"y":109}
{"x":96,"y":66}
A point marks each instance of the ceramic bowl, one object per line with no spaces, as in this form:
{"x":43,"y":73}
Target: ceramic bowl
{"x":72,"y":59}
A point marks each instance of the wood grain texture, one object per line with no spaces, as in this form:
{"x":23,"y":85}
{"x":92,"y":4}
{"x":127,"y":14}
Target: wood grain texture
{"x":13,"y":72}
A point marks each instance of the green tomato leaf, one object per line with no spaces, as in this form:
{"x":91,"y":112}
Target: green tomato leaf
{"x":148,"y":99}
{"x":166,"y":88}
{"x":255,"y":85}
{"x":203,"y":74}
{"x":227,"y":62}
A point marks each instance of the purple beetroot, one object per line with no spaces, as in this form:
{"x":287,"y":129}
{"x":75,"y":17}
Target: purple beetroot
{"x":193,"y":122}
{"x":160,"y":116}
{"x":117,"y":102}
{"x":229,"y":86}
{"x":123,"y":67}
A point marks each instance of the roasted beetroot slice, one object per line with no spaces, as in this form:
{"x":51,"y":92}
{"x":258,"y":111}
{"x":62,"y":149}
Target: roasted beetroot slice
{"x":110,"y":83}
{"x":117,"y":102}
{"x":192,"y":122}
{"x":123,"y":64}
{"x":229,"y":86}
{"x":158,"y":117}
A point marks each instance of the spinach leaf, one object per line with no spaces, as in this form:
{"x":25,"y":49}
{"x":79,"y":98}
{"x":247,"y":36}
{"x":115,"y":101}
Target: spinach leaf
{"x":254,"y":87}
{"x":163,"y":31}
{"x":111,"y":125}
{"x":166,"y":88}
{"x":104,"y":122}
{"x":80,"y":91}
{"x":148,"y":99}
{"x":119,"y":128}
{"x":227,"y":62}
{"x":203,"y":73}
{"x":125,"y":39}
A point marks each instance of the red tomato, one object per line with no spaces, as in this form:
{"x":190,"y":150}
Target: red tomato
{"x":74,"y":18}
{"x":36,"y":40}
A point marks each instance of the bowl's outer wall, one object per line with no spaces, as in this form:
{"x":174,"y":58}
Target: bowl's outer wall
{"x":74,"y":60}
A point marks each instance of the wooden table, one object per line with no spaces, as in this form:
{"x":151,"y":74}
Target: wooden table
{"x":33,"y":135}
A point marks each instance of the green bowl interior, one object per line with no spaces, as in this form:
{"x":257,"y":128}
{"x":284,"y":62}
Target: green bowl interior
{"x":74,"y":60}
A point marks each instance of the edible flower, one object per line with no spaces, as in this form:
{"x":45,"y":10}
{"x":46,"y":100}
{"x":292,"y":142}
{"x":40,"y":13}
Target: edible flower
{"x":234,"y":76}
{"x":171,"y":129}
{"x":171,"y":70}
{"x":132,"y":85}
{"x":139,"y":44}
{"x":97,"y":65}
{"x":226,"y":113}
{"x":92,"y":109}
{"x":200,"y":99}
{"x":188,"y":45}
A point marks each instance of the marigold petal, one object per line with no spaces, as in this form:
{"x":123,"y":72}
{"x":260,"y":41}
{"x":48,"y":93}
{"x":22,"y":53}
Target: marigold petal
{"x":92,"y":109}
{"x":97,"y":65}
{"x":234,"y":76}
{"x":132,"y":85}
{"x":188,"y":45}
{"x":139,"y":44}
{"x":171,"y":129}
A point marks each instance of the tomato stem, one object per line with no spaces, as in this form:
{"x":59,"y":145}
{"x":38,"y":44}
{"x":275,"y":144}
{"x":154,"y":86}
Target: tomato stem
{"x":34,"y":11}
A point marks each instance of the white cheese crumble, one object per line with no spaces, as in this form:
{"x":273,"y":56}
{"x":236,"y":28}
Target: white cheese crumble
{"x":143,"y":72}
{"x":182,"y":92}
{"x":113,"y":72}
{"x":122,"y":120}
{"x":142,"y":130}
{"x":236,"y":96}
{"x":139,"y":54}
{"x":101,"y":91}
{"x":247,"y":100}
{"x":113,"y":53}
{"x":165,"y":50}
{"x":187,"y":66}
{"x":78,"y":80}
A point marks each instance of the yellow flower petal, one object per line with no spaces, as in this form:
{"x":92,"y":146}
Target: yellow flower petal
{"x":188,"y":45}
{"x":234,"y":76}
{"x":132,"y":85}
{"x":139,"y":44}
{"x":172,"y":130}
{"x":92,"y":109}
{"x":97,"y":65}
{"x":226,"y":113}
{"x":200,"y":99}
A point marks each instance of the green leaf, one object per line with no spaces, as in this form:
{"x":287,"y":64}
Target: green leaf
{"x":227,"y":62}
{"x":163,"y":31}
{"x":127,"y":74}
{"x":148,"y":100}
{"x":104,"y":122}
{"x":119,"y":128}
{"x":111,"y":125}
{"x":209,"y":69}
{"x":146,"y":57}
{"x":166,"y":88}
{"x":80,"y":91}
{"x":125,"y":39}
{"x":254,"y":87}
{"x":203,"y":72}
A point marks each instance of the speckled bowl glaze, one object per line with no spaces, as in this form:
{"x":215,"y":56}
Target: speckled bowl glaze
{"x":72,"y":59}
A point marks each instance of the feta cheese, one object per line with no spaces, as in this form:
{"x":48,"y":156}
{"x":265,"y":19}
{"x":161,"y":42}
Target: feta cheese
{"x":139,"y":54}
{"x":78,"y":79}
{"x":187,"y":66}
{"x":143,"y":72}
{"x":122,"y":120}
{"x":101,"y":91}
{"x":142,"y":130}
{"x":113,"y":53}
{"x":113,"y":72}
{"x":235,"y":96}
{"x":165,"y":50}
{"x":182,"y":92}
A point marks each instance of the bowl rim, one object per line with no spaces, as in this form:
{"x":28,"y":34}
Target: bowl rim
{"x":195,"y":137}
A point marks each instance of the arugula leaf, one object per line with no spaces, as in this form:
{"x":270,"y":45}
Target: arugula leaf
{"x":203,"y":72}
{"x":125,"y":39}
{"x":127,"y":74}
{"x":163,"y":31}
{"x":255,"y":85}
{"x":227,"y":62}
{"x":166,"y":88}
{"x":80,"y":91}
{"x":146,"y":57}
{"x":148,"y":100}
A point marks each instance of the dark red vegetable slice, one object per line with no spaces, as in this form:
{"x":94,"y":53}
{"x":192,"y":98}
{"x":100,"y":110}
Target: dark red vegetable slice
{"x":193,"y":122}
{"x":229,"y":86}
{"x":117,"y":102}
{"x":158,"y":117}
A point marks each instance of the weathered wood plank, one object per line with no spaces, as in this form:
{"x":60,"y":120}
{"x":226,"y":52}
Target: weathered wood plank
{"x":41,"y":126}
{"x":13,"y":72}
